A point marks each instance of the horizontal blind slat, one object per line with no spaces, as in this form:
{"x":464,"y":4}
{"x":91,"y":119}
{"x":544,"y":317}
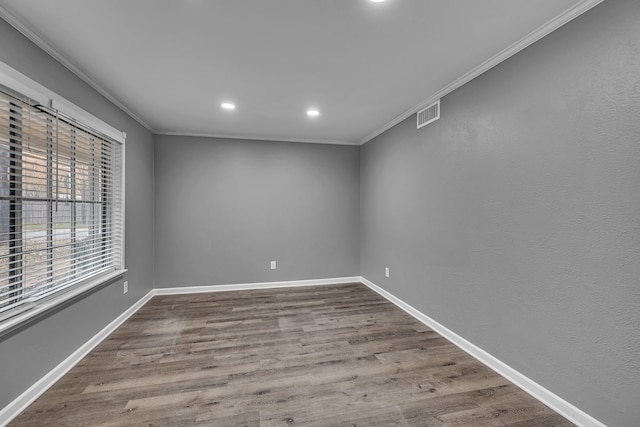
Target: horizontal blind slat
{"x":54,"y":171}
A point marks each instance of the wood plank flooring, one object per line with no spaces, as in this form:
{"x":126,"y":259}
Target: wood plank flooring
{"x":313,"y":356}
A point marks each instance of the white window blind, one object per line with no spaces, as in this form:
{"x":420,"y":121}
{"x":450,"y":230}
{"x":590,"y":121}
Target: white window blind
{"x":61,"y":203}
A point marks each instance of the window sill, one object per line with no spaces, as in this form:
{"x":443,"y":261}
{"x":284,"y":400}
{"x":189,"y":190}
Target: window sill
{"x":41,"y":308}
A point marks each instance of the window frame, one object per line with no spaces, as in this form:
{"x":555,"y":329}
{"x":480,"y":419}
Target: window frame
{"x":22,"y":87}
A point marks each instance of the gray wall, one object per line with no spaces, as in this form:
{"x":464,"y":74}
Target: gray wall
{"x":226,"y":208}
{"x":35,"y":349}
{"x":515,"y":219}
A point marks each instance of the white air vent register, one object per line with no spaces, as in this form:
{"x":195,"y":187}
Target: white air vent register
{"x":429,"y":114}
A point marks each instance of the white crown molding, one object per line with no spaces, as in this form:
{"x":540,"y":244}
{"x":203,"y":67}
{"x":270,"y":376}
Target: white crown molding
{"x":20,"y":403}
{"x":555,"y":402}
{"x":262,"y":138}
{"x":46,"y":45}
{"x":511,"y":50}
{"x":505,"y":54}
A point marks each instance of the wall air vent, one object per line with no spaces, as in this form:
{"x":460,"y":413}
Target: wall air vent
{"x":429,"y":114}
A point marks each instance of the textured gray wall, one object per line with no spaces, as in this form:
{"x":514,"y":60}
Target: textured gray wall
{"x":515,"y":219}
{"x":36,"y":349}
{"x":226,"y":208}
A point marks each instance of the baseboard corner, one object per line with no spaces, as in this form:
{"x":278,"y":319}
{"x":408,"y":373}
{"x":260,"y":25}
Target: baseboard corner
{"x":555,"y":402}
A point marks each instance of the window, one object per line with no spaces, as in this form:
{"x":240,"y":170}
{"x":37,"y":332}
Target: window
{"x":61,"y":204}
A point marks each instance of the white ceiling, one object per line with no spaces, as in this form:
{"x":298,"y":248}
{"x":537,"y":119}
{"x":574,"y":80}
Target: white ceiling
{"x":364,"y":65}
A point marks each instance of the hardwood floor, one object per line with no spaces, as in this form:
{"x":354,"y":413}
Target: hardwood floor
{"x":314,"y":356}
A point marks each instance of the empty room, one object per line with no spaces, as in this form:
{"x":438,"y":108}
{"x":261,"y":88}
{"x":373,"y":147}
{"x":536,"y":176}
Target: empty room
{"x":320,"y":213}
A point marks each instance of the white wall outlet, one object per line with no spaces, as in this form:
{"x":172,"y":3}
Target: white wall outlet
{"x":125,"y":287}
{"x":386,"y":272}
{"x":273,"y":265}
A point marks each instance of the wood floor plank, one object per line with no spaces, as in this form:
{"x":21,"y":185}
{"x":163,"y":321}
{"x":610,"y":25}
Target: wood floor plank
{"x":315,"y":356}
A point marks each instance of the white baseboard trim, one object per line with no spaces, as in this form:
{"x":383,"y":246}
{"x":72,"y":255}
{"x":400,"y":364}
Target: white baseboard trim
{"x":13,"y":409}
{"x":550,"y":399}
{"x":20,"y":403}
{"x":547,"y":397}
{"x":250,"y":286}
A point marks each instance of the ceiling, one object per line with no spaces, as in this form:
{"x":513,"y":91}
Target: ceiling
{"x":365,"y":66}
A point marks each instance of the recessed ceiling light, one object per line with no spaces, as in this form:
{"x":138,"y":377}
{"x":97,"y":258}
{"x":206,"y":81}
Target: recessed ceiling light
{"x":228,"y":106}
{"x":313,"y":112}
{"x":377,"y":1}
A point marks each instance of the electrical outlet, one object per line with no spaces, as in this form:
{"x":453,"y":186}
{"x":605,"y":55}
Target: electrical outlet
{"x":126,"y":287}
{"x":273,"y":265}
{"x":386,"y":272}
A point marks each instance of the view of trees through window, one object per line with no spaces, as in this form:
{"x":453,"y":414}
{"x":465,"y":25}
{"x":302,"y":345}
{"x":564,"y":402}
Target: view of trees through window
{"x":57,"y":188}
